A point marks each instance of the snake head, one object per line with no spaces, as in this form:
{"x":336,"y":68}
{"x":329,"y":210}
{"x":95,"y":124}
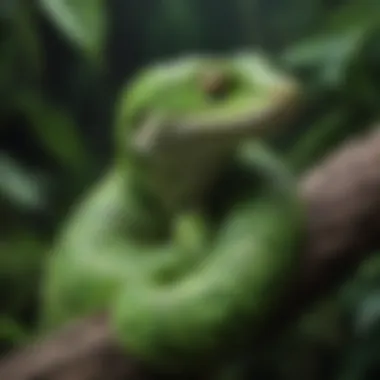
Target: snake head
{"x":182,"y":118}
{"x":192,"y":100}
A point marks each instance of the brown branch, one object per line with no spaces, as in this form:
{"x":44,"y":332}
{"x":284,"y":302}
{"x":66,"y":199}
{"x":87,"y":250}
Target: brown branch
{"x":342,"y":196}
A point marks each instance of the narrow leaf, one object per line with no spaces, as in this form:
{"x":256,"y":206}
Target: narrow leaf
{"x":83,"y":22}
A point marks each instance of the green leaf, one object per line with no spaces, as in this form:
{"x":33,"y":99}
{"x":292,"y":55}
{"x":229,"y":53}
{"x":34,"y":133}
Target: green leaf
{"x":56,"y":130}
{"x":332,"y":53}
{"x":83,"y":22}
{"x":21,"y":187}
{"x":339,"y":43}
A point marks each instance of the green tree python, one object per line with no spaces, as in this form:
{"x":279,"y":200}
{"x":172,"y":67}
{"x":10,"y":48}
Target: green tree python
{"x":191,"y":236}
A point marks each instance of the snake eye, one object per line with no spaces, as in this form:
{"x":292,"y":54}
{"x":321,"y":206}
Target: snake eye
{"x":217,"y":84}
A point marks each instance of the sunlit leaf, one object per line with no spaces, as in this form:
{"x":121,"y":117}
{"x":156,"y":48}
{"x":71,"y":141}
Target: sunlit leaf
{"x":20,"y":186}
{"x":82,"y":21}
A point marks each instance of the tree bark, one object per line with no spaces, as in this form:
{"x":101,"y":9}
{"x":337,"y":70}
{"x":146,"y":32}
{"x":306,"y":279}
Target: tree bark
{"x":342,"y":196}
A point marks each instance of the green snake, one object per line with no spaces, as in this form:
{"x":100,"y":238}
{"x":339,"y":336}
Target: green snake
{"x":190,"y":237}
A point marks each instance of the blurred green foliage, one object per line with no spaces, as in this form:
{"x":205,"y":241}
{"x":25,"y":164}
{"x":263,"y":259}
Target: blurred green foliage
{"x":62,"y":63}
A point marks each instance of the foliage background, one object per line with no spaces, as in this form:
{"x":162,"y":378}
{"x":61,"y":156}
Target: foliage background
{"x":62,"y":64}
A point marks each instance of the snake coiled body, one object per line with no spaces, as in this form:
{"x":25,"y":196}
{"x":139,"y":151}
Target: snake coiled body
{"x":174,"y":298}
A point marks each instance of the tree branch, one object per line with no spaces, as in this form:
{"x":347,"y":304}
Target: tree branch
{"x":342,"y":196}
